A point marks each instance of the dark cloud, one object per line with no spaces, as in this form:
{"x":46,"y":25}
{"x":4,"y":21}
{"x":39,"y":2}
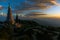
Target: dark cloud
{"x":43,"y":4}
{"x":35,"y":14}
{"x":32,"y":4}
{"x":36,"y":4}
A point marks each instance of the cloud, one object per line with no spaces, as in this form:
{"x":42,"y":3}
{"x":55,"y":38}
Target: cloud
{"x":36,"y":4}
{"x":55,"y":3}
{"x":43,"y":4}
{"x":34,"y":14}
{"x":32,"y":4}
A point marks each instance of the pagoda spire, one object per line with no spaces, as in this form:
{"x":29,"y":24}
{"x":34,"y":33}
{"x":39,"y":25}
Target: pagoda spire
{"x":17,"y":18}
{"x":10,"y":18}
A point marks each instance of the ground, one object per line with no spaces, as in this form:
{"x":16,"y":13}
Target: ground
{"x":30,"y":30}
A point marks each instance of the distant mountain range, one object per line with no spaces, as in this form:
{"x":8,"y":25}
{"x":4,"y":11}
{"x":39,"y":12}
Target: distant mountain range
{"x":48,"y":22}
{"x":45,"y":21}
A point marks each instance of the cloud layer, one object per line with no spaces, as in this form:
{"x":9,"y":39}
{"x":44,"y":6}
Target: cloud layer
{"x":32,"y":4}
{"x":43,"y":4}
{"x":36,"y":4}
{"x":35,"y":14}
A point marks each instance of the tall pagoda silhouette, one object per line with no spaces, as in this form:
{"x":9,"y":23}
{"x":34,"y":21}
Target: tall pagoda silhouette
{"x":10,"y":18}
{"x":17,"y":18}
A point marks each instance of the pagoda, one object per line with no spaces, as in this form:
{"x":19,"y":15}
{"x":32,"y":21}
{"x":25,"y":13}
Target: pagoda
{"x":10,"y":18}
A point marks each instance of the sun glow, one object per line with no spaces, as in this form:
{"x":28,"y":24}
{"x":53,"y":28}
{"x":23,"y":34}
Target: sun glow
{"x":53,"y":16}
{"x":47,"y":16}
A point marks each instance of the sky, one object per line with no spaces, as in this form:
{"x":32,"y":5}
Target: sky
{"x":28,"y":7}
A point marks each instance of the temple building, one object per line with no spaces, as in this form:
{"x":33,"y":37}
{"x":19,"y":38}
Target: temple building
{"x":18,"y":25}
{"x":10,"y":18}
{"x":17,"y":18}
